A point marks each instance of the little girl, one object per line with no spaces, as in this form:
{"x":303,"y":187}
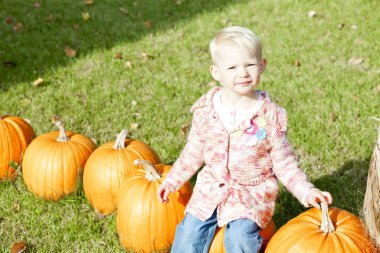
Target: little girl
{"x":239,"y":134}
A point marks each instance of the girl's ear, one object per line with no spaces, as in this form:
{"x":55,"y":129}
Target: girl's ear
{"x":263,"y":65}
{"x":215,"y":72}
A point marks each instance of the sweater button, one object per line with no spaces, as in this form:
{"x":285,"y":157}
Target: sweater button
{"x":221,"y":185}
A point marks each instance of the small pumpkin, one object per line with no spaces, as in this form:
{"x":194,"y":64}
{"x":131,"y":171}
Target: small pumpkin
{"x":53,"y":162}
{"x":108,"y":167}
{"x":329,"y":230}
{"x":144,"y":224}
{"x":15,"y":136}
{"x":217,"y":244}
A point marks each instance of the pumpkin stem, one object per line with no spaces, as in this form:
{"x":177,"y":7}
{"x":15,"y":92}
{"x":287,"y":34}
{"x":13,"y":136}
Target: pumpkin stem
{"x":62,"y":134}
{"x":119,"y":143}
{"x":327,"y":225}
{"x":151,"y":172}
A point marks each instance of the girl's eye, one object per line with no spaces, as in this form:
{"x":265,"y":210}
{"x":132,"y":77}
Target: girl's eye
{"x":230,"y":68}
{"x":252,"y":65}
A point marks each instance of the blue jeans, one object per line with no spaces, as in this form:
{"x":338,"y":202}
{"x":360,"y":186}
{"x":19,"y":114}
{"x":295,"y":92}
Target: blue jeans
{"x":195,"y":236}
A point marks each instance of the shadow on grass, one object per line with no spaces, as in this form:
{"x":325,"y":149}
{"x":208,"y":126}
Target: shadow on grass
{"x":34,"y":36}
{"x":347,"y":185}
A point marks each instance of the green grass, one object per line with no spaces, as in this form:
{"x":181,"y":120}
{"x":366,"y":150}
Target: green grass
{"x":327,"y":99}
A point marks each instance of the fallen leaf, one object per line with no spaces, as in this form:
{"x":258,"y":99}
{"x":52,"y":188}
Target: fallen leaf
{"x":134,"y":125}
{"x":334,"y":117}
{"x":94,"y":141}
{"x":355,"y":61}
{"x":76,"y":26}
{"x":146,"y":56}
{"x":18,"y":247}
{"x":9,"y":20}
{"x":36,"y":5}
{"x":128,"y":64}
{"x":37,"y":82}
{"x":137,"y":115}
{"x":377,"y":88}
{"x":124,"y":10}
{"x":118,"y":55}
{"x":9,"y":64}
{"x":185,"y":129}
{"x":16,"y":206}
{"x":85,"y":16}
{"x":50,"y":17}
{"x":134,"y":103}
{"x":28,"y":120}
{"x":70,"y":52}
{"x":297,"y":63}
{"x":148,"y":24}
{"x":178,"y":2}
{"x":340,"y":26}
{"x":89,"y":2}
{"x":55,"y":118}
{"x":135,"y":4}
{"x":211,"y":84}
{"x":354,"y":27}
{"x":18,"y":26}
{"x":312,"y":14}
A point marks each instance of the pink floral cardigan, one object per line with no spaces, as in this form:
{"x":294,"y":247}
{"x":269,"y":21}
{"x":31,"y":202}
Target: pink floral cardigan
{"x":240,"y":168}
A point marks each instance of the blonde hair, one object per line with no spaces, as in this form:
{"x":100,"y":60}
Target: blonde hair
{"x":241,"y":37}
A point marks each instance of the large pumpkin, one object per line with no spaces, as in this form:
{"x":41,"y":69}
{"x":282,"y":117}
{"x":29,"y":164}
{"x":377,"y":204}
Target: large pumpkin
{"x":15,"y":135}
{"x":108,"y":167}
{"x":53,"y":163}
{"x":144,"y":223}
{"x":313,"y":231}
{"x":217,"y":245}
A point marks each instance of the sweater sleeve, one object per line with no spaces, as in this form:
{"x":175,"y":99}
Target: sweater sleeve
{"x":285,"y":164}
{"x":191,"y":158}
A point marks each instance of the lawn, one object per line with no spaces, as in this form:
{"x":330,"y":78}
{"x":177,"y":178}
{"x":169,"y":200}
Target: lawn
{"x":146,"y":62}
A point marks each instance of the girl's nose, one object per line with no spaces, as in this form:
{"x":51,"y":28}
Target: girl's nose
{"x":243,"y":72}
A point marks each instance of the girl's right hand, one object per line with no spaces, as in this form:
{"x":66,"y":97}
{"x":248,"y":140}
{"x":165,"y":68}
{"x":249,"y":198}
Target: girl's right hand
{"x":163,"y":193}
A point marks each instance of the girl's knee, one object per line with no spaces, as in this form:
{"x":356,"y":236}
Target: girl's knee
{"x":242,"y":236}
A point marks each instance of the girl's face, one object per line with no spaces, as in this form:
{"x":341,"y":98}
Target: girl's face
{"x":236,"y":69}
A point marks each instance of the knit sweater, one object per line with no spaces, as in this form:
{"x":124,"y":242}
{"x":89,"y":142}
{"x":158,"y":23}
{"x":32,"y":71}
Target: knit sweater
{"x":239,"y":168}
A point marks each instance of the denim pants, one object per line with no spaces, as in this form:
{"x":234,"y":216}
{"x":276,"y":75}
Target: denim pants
{"x":195,"y":236}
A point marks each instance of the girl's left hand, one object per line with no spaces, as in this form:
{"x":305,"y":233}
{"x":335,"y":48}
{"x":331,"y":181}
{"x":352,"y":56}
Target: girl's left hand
{"x":324,"y":197}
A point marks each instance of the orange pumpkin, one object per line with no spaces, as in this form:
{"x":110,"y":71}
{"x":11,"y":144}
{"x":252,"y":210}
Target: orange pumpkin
{"x":314,"y":231}
{"x":53,"y":163}
{"x":144,"y":223}
{"x":108,"y":167}
{"x":15,"y":136}
{"x":217,"y":245}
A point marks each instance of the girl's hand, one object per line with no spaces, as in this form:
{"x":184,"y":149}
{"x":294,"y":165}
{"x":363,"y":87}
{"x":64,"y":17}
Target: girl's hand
{"x":163,"y":193}
{"x":318,"y":196}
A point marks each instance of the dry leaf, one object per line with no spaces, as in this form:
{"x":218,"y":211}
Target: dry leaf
{"x":185,"y":129}
{"x":355,"y":61}
{"x":211,"y":84}
{"x":134,"y":103}
{"x":148,"y":24}
{"x":178,"y":2}
{"x":51,"y":17}
{"x":16,"y":206}
{"x":76,"y":26}
{"x":312,"y":14}
{"x":340,"y":26}
{"x":28,"y":120}
{"x":9,"y":64}
{"x":134,"y":125}
{"x":18,"y":247}
{"x":354,"y":27}
{"x":36,"y":5}
{"x":70,"y":52}
{"x":55,"y":118}
{"x":128,"y":64}
{"x":297,"y":63}
{"x":94,"y":140}
{"x":135,"y":4}
{"x":85,"y":16}
{"x":9,"y":20}
{"x":334,"y":117}
{"x":18,"y":26}
{"x":89,"y":2}
{"x":38,"y":81}
{"x":124,"y":10}
{"x":377,"y":88}
{"x":118,"y":55}
{"x":137,"y":115}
